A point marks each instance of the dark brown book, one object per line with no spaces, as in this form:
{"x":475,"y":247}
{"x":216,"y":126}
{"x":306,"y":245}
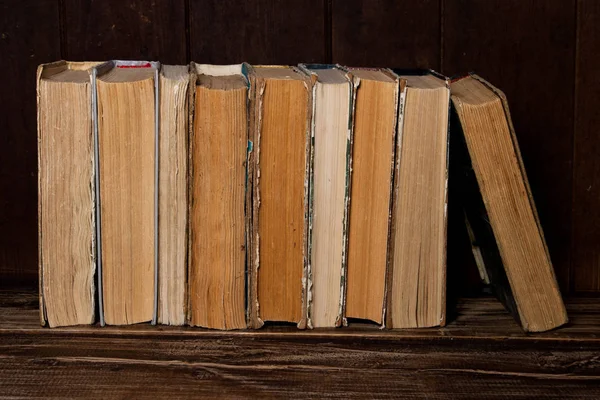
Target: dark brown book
{"x":509,"y":242}
{"x":280,"y":130}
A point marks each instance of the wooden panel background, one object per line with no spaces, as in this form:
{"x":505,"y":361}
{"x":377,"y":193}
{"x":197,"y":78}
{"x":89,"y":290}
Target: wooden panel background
{"x":544,"y":55}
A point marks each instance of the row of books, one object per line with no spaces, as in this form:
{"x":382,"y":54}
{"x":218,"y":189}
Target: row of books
{"x":228,"y":196}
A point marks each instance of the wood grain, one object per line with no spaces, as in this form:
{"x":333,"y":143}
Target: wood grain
{"x":526,"y":49}
{"x":586,"y":166}
{"x":258,"y":32}
{"x":126,"y":151}
{"x":133,"y":29}
{"x":480,"y":354}
{"x":386,"y":33}
{"x":29,"y":36}
{"x":217,"y":214}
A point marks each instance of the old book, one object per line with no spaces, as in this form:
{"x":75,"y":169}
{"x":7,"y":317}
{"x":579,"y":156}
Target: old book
{"x":375,"y":117}
{"x":500,"y":209}
{"x":172,"y":194}
{"x":281,"y":105}
{"x":66,"y":194}
{"x":127,"y":98}
{"x":218,"y":213}
{"x":329,"y":194}
{"x":417,"y":286}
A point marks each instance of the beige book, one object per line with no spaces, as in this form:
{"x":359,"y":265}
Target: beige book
{"x":280,"y":130}
{"x":502,"y":213}
{"x":218,"y":214}
{"x":417,"y":290}
{"x":172,"y":194}
{"x":375,"y":113}
{"x":329,"y":195}
{"x":126,"y":101}
{"x":66,"y":194}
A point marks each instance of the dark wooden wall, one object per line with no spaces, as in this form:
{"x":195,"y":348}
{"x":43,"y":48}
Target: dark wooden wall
{"x":543,"y":54}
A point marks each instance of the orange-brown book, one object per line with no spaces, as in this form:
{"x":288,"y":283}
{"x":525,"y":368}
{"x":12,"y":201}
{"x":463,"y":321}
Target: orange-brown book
{"x":127,"y":133}
{"x":281,"y":102}
{"x":375,"y":117}
{"x":218,"y":211}
{"x":508,"y":240}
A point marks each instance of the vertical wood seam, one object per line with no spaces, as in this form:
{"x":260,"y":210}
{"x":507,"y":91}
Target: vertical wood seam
{"x":328,"y":34}
{"x":441,"y":59}
{"x":62,"y":29}
{"x":571,"y":268}
{"x":187,"y":21}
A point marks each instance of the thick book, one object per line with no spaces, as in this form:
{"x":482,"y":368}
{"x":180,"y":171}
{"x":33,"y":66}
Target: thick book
{"x":509,"y":242}
{"x":416,"y":293}
{"x":127,"y":101}
{"x":66,"y":199}
{"x":376,"y":99}
{"x":218,"y":213}
{"x":281,"y":104}
{"x":173,"y":194}
{"x":329,"y":194}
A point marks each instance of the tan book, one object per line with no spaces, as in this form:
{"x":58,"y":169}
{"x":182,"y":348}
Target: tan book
{"x":172,"y":194}
{"x":127,"y":94}
{"x":66,"y":198}
{"x":329,"y":194}
{"x":218,"y":210}
{"x":280,"y":130}
{"x":417,"y":286}
{"x":375,"y":117}
{"x":501,"y":211}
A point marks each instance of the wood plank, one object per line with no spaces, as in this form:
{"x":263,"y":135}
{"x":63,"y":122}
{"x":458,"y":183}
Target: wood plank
{"x":259,"y":32}
{"x":145,"y":361}
{"x":586,"y":164}
{"x":29,"y":36}
{"x":386,"y":33}
{"x":526,"y":48}
{"x":135,"y":29}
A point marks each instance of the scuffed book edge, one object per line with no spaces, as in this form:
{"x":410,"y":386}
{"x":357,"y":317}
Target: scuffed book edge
{"x":443,"y":276}
{"x":195,"y":70}
{"x":185,"y":88}
{"x":498,"y":276}
{"x":96,"y":72}
{"x":257,"y":88}
{"x":42,"y":71}
{"x":309,"y":70}
{"x":356,"y":86}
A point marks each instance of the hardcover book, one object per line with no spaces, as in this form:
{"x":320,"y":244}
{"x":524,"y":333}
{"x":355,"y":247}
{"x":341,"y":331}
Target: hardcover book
{"x":281,"y":104}
{"x":219,"y":212}
{"x":508,"y":240}
{"x":417,"y":276}
{"x":329,"y":194}
{"x":127,"y":101}
{"x":66,"y":199}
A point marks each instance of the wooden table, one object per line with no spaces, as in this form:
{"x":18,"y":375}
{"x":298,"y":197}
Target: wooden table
{"x":482,"y":353}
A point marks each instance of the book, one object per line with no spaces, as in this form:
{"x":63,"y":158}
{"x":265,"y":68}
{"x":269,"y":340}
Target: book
{"x":417,"y":280}
{"x":329,"y":194}
{"x":509,"y":241}
{"x":281,"y":102}
{"x":173,"y":194}
{"x":218,"y":209}
{"x":66,"y":200}
{"x":375,"y":118}
{"x":127,"y":133}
